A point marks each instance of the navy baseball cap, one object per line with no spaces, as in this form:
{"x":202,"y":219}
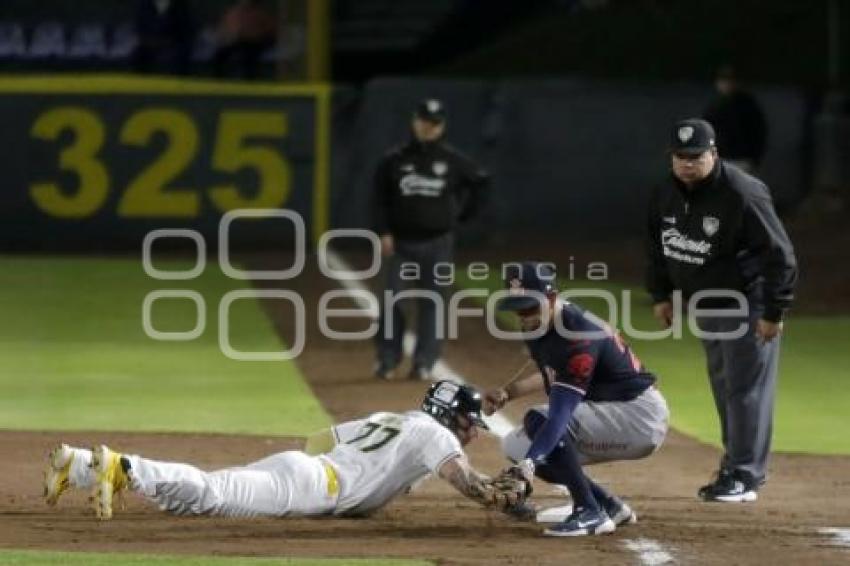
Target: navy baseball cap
{"x":692,"y":137}
{"x":527,"y":276}
{"x":432,"y":110}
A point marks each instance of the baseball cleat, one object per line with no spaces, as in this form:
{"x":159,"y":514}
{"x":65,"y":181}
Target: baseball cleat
{"x":56,"y":480}
{"x":383,"y":371}
{"x":729,"y":488}
{"x":618,"y":510}
{"x":734,"y":492}
{"x":583,"y":522}
{"x":111,"y":480}
{"x":420,"y":373}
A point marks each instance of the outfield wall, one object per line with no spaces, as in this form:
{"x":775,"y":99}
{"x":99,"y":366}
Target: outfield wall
{"x":96,"y":162}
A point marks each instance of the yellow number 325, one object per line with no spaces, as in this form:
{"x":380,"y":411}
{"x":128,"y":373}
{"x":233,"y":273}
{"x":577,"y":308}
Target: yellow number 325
{"x":149,"y":195}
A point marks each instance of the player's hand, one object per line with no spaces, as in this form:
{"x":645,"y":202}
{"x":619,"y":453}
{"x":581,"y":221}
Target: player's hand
{"x":663,"y":312}
{"x":494,"y":400}
{"x":387,"y":245}
{"x":767,"y":330}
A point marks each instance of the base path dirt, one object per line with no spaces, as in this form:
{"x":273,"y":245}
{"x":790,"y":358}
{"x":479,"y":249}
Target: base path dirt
{"x":804,"y":494}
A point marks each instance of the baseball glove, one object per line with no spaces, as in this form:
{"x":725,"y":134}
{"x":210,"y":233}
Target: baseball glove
{"x":509,"y":490}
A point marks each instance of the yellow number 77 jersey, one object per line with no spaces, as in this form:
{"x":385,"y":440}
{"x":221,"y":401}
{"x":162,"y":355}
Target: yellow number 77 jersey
{"x":382,"y":455}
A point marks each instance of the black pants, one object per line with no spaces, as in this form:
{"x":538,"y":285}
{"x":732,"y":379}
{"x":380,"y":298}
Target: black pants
{"x":392,"y":324}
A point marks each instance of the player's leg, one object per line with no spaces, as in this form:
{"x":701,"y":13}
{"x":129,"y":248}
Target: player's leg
{"x":716,"y":367}
{"x":431,"y":313}
{"x":752,"y":366}
{"x":391,"y":323}
{"x":604,"y":432}
{"x":620,"y":430}
{"x":312,"y":484}
{"x":587,"y":515}
{"x":277,"y":486}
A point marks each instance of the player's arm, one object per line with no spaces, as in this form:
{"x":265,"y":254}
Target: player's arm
{"x":460,"y":474}
{"x":563,"y":400}
{"x":519,"y":386}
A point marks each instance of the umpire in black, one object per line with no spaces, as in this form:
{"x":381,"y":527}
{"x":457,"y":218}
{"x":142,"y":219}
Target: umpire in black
{"x":712,"y":226}
{"x":423,"y":189}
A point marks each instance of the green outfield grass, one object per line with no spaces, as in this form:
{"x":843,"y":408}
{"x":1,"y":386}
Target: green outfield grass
{"x":812,"y":399}
{"x":73,"y":355}
{"x":39,"y":558}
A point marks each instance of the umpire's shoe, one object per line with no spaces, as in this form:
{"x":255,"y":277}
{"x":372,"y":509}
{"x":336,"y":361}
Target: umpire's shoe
{"x":583,"y":522}
{"x":384,"y":371}
{"x":730,"y":487}
{"x":420,"y":373}
{"x":111,"y":471}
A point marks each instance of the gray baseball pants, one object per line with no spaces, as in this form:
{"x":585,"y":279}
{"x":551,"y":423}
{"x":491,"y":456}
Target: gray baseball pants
{"x":742,"y":373}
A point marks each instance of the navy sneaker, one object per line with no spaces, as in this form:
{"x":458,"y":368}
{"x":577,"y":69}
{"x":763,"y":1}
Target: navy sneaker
{"x":583,"y":522}
{"x":730,"y":487}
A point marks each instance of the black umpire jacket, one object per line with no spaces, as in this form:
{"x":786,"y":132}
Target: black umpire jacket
{"x":721,"y":234}
{"x":422,"y":190}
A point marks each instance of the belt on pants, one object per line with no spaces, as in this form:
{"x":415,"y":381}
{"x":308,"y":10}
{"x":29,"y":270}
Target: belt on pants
{"x":333,"y":481}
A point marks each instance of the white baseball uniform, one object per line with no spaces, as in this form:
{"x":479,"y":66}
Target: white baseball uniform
{"x":374,"y":459}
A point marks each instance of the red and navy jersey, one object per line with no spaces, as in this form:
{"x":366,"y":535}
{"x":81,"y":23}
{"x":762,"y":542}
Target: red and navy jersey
{"x":601,"y":368}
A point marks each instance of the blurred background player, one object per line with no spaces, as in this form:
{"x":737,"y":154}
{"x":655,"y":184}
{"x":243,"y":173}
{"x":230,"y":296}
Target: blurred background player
{"x":603,"y":404}
{"x":246,"y":30}
{"x":713,"y":227}
{"x":166,"y":33}
{"x":423,"y":189}
{"x":738,"y":121}
{"x":352,"y":469}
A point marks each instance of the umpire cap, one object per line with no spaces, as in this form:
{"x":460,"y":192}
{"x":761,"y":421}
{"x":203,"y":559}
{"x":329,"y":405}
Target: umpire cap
{"x":432,"y":110}
{"x":527,"y":276}
{"x":692,"y":137}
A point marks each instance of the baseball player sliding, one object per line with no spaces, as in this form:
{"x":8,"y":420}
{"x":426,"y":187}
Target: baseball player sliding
{"x":351,"y":469}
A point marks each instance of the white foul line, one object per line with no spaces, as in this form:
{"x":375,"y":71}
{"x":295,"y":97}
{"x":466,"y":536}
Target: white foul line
{"x":499,"y":425}
{"x":650,"y":552}
{"x":840,"y":536}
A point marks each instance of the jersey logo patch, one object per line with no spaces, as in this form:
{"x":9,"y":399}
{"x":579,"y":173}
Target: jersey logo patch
{"x":440,"y":168}
{"x":581,"y":366}
{"x":710,"y":225}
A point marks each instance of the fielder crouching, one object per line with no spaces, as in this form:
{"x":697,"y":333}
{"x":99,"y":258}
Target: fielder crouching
{"x":603,"y":404}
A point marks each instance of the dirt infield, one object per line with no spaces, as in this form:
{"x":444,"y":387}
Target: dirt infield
{"x":804,"y":492}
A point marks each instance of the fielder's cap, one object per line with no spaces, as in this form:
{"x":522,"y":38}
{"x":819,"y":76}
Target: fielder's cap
{"x":525,"y":277}
{"x":431,"y":109}
{"x":692,"y":137}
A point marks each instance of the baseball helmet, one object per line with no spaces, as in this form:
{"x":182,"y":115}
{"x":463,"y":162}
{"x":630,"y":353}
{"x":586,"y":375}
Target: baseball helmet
{"x":446,"y":400}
